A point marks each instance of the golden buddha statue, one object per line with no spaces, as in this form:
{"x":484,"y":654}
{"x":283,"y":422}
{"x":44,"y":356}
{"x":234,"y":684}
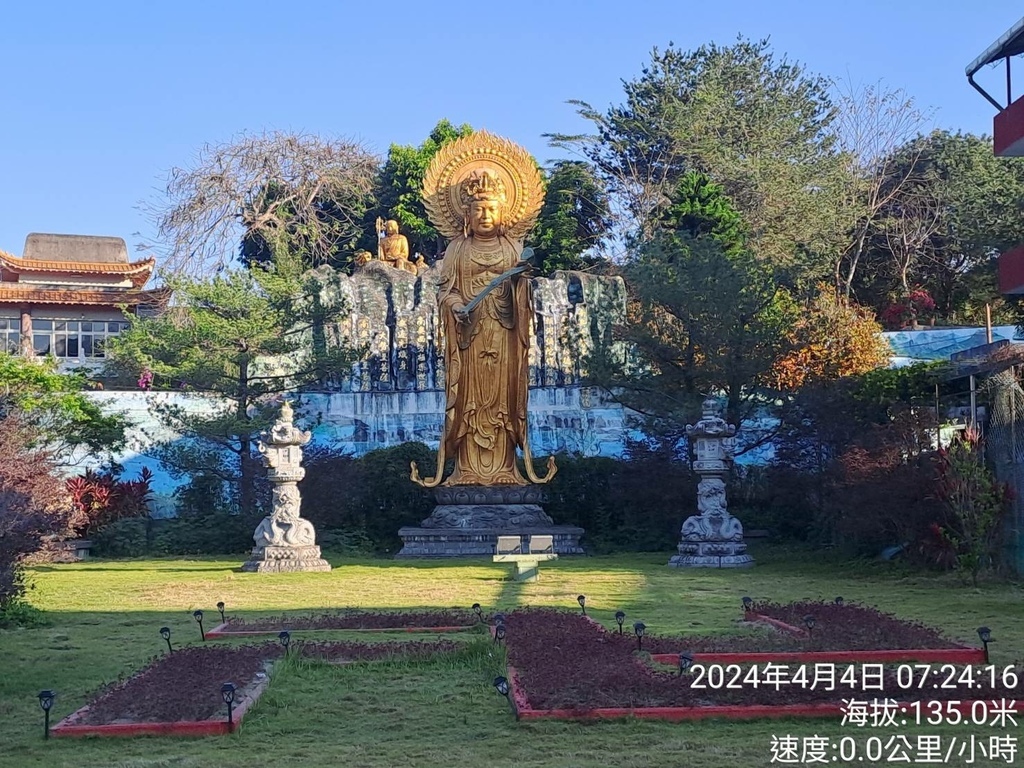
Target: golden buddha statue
{"x":393,"y":248}
{"x":484,"y":192}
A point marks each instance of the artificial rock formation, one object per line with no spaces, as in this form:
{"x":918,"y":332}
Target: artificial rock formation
{"x":713,"y":538}
{"x":284,"y":540}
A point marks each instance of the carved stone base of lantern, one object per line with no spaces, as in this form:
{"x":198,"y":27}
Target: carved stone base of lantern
{"x":285,"y":559}
{"x":712,"y":541}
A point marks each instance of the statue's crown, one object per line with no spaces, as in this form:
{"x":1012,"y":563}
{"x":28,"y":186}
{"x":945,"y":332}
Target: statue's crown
{"x":483,"y":185}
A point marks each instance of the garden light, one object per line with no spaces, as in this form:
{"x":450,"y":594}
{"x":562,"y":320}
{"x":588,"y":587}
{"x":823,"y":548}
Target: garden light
{"x":220,"y":608}
{"x":227,"y":693}
{"x":582,"y":600}
{"x":985,"y":635}
{"x":502,"y":686}
{"x":478,"y":611}
{"x":685,"y":662}
{"x":638,"y":630}
{"x":809,"y":623}
{"x":165,"y":633}
{"x":286,"y":638}
{"x":748,"y":604}
{"x":499,"y":633}
{"x":839,"y":600}
{"x":198,"y":616}
{"x":46,"y":702}
{"x":620,"y":616}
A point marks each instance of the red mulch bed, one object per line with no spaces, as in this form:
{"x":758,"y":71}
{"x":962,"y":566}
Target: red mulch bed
{"x":566,"y":662}
{"x":184,"y":685}
{"x":351,"y":619}
{"x":847,"y":627}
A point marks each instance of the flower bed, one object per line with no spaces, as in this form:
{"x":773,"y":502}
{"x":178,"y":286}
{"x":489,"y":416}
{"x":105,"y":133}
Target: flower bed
{"x":178,"y":694}
{"x":841,"y":633}
{"x":367,"y":621}
{"x":566,"y":666}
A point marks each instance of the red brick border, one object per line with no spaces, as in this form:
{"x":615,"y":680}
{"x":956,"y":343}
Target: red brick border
{"x":214,"y":726}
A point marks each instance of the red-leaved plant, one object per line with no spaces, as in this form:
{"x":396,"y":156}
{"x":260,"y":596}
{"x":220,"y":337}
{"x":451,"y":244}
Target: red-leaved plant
{"x":100,"y":499}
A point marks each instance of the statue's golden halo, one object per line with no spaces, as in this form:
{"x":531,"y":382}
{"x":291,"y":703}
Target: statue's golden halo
{"x":457,"y":160}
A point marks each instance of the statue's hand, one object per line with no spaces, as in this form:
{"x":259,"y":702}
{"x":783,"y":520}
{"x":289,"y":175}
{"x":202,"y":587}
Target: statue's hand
{"x":461,"y":315}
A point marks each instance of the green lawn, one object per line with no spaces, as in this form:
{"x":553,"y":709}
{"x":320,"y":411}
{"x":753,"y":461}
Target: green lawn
{"x":103,"y":618}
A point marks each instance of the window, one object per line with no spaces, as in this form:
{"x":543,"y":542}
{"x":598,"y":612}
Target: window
{"x":10,"y":335}
{"x":74,"y":338}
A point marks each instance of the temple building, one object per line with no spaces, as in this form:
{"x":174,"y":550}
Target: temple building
{"x":63,"y":296}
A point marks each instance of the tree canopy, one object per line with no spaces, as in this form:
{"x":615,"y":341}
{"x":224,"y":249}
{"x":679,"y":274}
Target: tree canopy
{"x":705,"y":314}
{"x":573,"y":220}
{"x":243,"y":336}
{"x":301,"y":195}
{"x":758,"y":125}
{"x":399,"y":190}
{"x":53,"y":409}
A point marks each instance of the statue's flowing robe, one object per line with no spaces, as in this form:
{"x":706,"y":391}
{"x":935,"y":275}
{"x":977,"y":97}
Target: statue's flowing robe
{"x":486,"y":362}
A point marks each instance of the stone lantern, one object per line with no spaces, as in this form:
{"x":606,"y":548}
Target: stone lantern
{"x":284,"y":540}
{"x":712,"y":538}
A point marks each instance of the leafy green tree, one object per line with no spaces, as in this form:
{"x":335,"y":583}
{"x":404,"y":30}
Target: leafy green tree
{"x":399,"y":186}
{"x":53,"y":409}
{"x":706,"y":314}
{"x":242,"y":337}
{"x":573,"y":220}
{"x":951,"y":208}
{"x":699,"y":208}
{"x":758,"y":125}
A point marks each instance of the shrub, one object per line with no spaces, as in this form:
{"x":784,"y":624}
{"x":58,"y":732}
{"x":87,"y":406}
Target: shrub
{"x":122,"y":538}
{"x":976,"y":505}
{"x":34,"y":510}
{"x":100,"y":499}
{"x":638,"y":503}
{"x":207,"y":522}
{"x":367,"y":499}
{"x":879,"y":491}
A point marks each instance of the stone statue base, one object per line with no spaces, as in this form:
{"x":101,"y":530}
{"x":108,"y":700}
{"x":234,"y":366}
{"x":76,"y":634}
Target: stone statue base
{"x":468,"y":520}
{"x":703,"y":546}
{"x":480,"y":542}
{"x":285,"y":559}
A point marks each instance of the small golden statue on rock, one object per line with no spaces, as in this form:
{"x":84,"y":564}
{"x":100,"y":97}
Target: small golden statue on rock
{"x":484,"y":192}
{"x":393,"y":248}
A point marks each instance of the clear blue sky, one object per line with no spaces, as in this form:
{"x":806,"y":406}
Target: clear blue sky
{"x":99,"y":99}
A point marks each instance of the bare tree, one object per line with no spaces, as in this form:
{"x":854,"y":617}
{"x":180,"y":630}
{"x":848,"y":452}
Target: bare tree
{"x":300,"y":191}
{"x":909,"y":228}
{"x":873,"y":122}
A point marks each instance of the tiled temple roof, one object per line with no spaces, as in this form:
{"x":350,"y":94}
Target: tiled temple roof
{"x":138,"y":272}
